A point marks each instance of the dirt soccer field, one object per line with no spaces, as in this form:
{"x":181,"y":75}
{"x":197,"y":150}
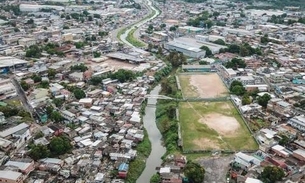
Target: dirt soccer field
{"x":207,"y":85}
{"x":213,"y":126}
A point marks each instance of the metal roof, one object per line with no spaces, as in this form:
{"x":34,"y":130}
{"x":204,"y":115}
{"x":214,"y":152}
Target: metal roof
{"x":13,"y":130}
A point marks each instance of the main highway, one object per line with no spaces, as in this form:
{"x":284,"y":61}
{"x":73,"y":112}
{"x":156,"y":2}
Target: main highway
{"x":153,"y":13}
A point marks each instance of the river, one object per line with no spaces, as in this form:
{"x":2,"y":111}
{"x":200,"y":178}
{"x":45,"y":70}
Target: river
{"x":157,"y":149}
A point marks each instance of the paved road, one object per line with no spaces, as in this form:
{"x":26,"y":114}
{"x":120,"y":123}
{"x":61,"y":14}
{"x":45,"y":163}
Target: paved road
{"x":151,"y":8}
{"x":22,"y":96}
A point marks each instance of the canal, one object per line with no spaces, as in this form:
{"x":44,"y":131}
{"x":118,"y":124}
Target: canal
{"x":157,"y":149}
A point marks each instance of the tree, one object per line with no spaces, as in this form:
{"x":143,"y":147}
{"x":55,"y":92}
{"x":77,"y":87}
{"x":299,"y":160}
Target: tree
{"x":246,"y":99}
{"x":263,"y":100}
{"x":68,"y":17}
{"x":90,"y":18}
{"x":220,"y":42}
{"x":24,"y":85}
{"x":160,"y":50}
{"x":96,"y":54}
{"x":79,"y":67}
{"x":39,"y":151}
{"x":86,"y":13}
{"x":176,"y":59}
{"x":58,"y":102}
{"x":284,"y":140}
{"x":51,"y":73}
{"x":79,"y":93}
{"x":172,"y":28}
{"x":155,"y":178}
{"x":208,"y":52}
{"x":272,"y":174}
{"x":34,"y":52}
{"x":16,"y":29}
{"x":96,"y":80}
{"x":123,"y":75}
{"x":36,"y":78}
{"x":44,"y":84}
{"x":162,"y":26}
{"x":203,"y":63}
{"x":79,"y":45}
{"x":60,"y":145}
{"x":194,"y":172}
{"x":237,"y":88}
{"x":31,"y":21}
{"x":56,"y":117}
{"x":235,"y":63}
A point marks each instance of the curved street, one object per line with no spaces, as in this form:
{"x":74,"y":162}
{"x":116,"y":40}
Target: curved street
{"x":152,"y":9}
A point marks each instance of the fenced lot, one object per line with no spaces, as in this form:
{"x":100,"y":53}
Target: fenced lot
{"x":213,"y":126}
{"x":202,"y":85}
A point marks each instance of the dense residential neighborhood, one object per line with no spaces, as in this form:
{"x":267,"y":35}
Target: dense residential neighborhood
{"x":152,"y":91}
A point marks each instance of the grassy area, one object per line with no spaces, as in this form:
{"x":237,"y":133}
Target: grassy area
{"x":187,"y":89}
{"x":137,"y":166}
{"x":197,"y":135}
{"x":134,"y":41}
{"x":122,"y":31}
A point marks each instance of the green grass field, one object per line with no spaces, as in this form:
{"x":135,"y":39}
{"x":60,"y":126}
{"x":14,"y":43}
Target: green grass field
{"x":213,"y":126}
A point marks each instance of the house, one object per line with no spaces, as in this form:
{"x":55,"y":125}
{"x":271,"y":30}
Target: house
{"x":76,"y":76}
{"x":56,"y":130}
{"x":281,"y":151}
{"x":252,"y":180}
{"x":86,"y":102}
{"x":245,"y":161}
{"x":68,"y":115}
{"x":299,"y":154}
{"x":5,"y":145}
{"x":23,"y":166}
{"x":20,"y":132}
{"x":7,"y":176}
{"x":123,"y":170}
{"x":298,"y":122}
{"x":27,"y":42}
{"x":99,"y":178}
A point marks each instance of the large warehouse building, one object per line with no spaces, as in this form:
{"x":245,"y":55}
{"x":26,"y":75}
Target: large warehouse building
{"x":185,"y":47}
{"x":11,"y":63}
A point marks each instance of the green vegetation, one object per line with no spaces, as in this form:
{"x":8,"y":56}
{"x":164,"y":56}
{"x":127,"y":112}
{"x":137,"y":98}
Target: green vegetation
{"x":197,"y":135}
{"x":56,"y":116}
{"x":58,"y":146}
{"x":194,"y":172}
{"x":163,"y":72}
{"x":123,"y":75}
{"x":220,"y":42}
{"x":237,"y":88}
{"x":263,"y":100}
{"x":137,"y":166}
{"x":24,"y":85}
{"x":79,"y":93}
{"x":243,"y":50}
{"x":235,"y":63}
{"x":176,"y":59}
{"x":156,"y":178}
{"x":14,"y":109}
{"x":202,"y":20}
{"x":272,"y":174}
{"x":39,"y":151}
{"x":33,"y":52}
{"x":14,"y":8}
{"x":79,"y":67}
{"x":79,"y":45}
{"x":132,"y":40}
{"x":52,"y":49}
{"x":207,"y":50}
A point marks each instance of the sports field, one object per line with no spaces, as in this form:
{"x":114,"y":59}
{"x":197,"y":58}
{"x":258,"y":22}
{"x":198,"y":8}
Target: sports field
{"x":205,"y":85}
{"x":213,"y":126}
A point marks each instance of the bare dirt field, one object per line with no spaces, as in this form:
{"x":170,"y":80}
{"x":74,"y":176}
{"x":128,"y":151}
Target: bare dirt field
{"x":224,"y":125}
{"x":202,"y":85}
{"x":215,"y":168}
{"x":207,"y":126}
{"x":114,"y":64}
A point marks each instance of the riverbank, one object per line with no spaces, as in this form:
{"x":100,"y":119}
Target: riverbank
{"x":157,"y":150}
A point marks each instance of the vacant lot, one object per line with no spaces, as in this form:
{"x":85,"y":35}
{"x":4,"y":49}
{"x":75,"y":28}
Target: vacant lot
{"x":207,"y":85}
{"x":213,"y":126}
